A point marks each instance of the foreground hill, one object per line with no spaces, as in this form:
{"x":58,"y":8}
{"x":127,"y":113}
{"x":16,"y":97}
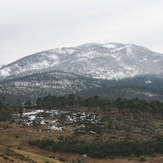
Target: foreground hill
{"x":82,"y":134}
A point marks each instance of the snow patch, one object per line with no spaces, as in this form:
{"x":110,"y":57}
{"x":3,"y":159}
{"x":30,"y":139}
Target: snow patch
{"x":155,"y":61}
{"x":5,"y":72}
{"x":110,"y":46}
{"x":117,"y":49}
{"x":129,"y":49}
{"x":65,"y":50}
{"x":33,"y":112}
{"x":148,"y":82}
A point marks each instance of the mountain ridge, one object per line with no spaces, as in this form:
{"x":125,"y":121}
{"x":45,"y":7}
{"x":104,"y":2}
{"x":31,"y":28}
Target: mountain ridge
{"x":108,"y":70}
{"x":102,"y":61}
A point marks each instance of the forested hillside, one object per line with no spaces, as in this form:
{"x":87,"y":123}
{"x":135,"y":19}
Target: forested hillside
{"x":94,"y":127}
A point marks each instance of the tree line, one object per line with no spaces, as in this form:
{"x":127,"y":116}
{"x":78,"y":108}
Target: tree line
{"x":49,"y":102}
{"x":134,"y":105}
{"x":101,"y":149}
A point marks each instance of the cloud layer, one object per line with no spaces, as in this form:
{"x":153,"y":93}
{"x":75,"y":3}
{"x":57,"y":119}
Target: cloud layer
{"x":31,"y":26}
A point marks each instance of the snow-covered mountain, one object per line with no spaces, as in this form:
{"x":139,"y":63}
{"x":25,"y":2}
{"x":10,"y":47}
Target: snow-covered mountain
{"x":108,"y":70}
{"x":100,"y":61}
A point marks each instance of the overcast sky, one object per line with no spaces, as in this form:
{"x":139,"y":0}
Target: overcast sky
{"x":30,"y":26}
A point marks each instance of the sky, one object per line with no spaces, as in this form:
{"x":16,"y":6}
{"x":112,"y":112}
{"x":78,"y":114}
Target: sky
{"x":30,"y":26}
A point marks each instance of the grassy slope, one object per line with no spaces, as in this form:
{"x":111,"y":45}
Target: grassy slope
{"x":36,"y":157}
{"x":8,"y":155}
{"x":15,"y":137}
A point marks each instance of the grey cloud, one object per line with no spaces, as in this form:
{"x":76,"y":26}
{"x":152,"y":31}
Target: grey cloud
{"x":31,"y":26}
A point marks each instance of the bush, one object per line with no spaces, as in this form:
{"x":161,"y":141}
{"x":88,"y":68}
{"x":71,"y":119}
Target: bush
{"x":142,"y":159}
{"x":19,"y":148}
{"x":80,"y":160}
{"x":63,"y":159}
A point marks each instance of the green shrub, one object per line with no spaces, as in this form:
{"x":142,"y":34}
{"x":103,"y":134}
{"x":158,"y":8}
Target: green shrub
{"x":63,"y":159}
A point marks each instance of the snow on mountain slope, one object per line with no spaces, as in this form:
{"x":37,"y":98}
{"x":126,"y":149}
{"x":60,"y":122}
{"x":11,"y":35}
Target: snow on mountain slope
{"x":41,"y":84}
{"x":57,"y":83}
{"x":2,"y":65}
{"x":101,"y":61}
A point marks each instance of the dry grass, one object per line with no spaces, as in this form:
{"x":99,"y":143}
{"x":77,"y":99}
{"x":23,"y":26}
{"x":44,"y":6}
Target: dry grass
{"x":36,"y":157}
{"x":14,"y":137}
{"x":10,"y":155}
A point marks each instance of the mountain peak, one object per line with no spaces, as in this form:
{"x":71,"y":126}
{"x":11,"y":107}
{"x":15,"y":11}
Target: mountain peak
{"x":95,"y":60}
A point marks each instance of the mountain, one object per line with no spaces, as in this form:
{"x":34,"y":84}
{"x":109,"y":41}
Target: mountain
{"x":57,"y":83}
{"x":100,"y":61}
{"x":41,"y":84}
{"x":108,"y":70}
